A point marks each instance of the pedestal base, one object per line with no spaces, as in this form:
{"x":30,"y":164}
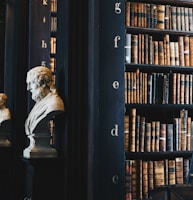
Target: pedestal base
{"x":40,"y":153}
{"x":5,"y":143}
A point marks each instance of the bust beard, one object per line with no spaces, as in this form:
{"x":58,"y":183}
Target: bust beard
{"x":38,"y":94}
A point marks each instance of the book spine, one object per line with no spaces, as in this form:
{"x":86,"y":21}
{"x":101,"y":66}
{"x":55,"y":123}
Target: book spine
{"x":157,"y":135}
{"x":171,"y":172}
{"x":133,"y":129}
{"x":162,"y":138}
{"x":128,"y":48}
{"x":159,"y":173}
{"x":128,"y":179}
{"x":147,"y":136}
{"x":142,"y":134}
{"x":161,"y":16}
{"x":186,"y":51}
{"x":134,"y":49}
{"x":127,"y":13}
{"x":126,"y":131}
{"x":179,"y":170}
{"x":169,"y":136}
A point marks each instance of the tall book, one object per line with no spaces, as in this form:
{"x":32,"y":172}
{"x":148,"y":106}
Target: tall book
{"x":128,"y":48}
{"x":134,"y":49}
{"x":133,"y":130}
{"x":150,"y":175}
{"x":162,"y":138}
{"x":126,"y":131}
{"x":169,"y":137}
{"x":179,"y":170}
{"x":145,"y":179}
{"x":127,"y":13}
{"x":128,"y":179}
{"x":157,"y":136}
{"x":171,"y":172}
{"x":142,"y":135}
{"x":159,"y":171}
{"x":186,"y":51}
{"x":181,"y":50}
{"x":148,"y":136}
{"x":173,"y":18}
{"x":161,"y":16}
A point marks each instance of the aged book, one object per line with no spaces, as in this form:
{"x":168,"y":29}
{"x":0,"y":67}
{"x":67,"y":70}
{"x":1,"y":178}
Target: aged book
{"x":153,"y":130}
{"x":157,"y":135}
{"x":179,"y":170}
{"x":128,"y":48}
{"x":128,"y":179}
{"x":145,"y":179}
{"x":161,"y":16}
{"x":159,"y":173}
{"x":186,"y":51}
{"x":148,"y":137}
{"x":181,"y":50}
{"x":134,"y":49}
{"x":133,"y":130}
{"x":142,"y":134}
{"x":171,"y":172}
{"x":169,"y":137}
{"x":126,"y":131}
{"x":127,"y":13}
{"x":150,"y":175}
{"x":162,"y":138}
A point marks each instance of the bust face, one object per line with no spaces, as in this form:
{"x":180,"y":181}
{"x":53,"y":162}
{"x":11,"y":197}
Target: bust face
{"x":37,"y":91}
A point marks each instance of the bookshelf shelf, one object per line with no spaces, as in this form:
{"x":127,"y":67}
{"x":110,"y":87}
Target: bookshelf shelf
{"x":171,"y":2}
{"x":157,"y":155}
{"x":157,"y":31}
{"x":157,"y":68}
{"x":162,"y":107}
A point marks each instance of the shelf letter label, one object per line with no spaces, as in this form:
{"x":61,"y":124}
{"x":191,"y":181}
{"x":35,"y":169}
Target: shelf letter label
{"x":116,"y":39}
{"x":44,"y":44}
{"x":117,"y":8}
{"x":115,"y":179}
{"x":44,"y":19}
{"x":115,"y":84}
{"x":45,"y":2}
{"x":114,"y":131}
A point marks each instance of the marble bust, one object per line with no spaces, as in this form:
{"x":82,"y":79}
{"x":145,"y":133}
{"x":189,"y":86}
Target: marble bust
{"x":5,"y":117}
{"x":4,"y":111}
{"x":48,"y":104}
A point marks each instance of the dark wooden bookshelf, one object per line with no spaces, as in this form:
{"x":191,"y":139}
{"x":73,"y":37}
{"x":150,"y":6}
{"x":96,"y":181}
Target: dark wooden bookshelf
{"x":158,"y":111}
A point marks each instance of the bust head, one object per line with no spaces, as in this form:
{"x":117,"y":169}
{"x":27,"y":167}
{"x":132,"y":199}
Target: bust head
{"x":3,"y":99}
{"x":40,"y":82}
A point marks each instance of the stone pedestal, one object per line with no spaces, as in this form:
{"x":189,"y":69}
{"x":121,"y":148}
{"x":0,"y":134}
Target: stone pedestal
{"x":5,"y":134}
{"x":39,"y":146}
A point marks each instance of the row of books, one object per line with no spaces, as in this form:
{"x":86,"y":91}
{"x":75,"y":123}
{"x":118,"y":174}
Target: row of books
{"x":142,"y":135}
{"x":144,"y":49}
{"x":53,"y":24}
{"x":143,"y":176}
{"x":159,"y":16}
{"x":158,"y":88}
{"x":53,"y":5}
{"x":53,"y":45}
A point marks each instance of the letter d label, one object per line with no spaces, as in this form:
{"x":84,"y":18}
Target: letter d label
{"x":114,"y":131}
